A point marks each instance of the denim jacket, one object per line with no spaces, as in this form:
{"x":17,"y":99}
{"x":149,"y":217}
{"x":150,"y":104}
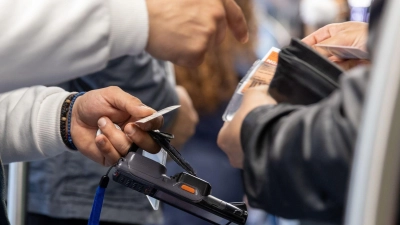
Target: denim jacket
{"x":64,"y":186}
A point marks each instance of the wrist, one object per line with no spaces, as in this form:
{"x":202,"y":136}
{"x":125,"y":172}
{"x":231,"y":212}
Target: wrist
{"x":66,"y":120}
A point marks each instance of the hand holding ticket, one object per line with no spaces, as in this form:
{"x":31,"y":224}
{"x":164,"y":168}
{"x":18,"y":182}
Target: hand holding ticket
{"x":160,"y":157}
{"x":261,"y":73}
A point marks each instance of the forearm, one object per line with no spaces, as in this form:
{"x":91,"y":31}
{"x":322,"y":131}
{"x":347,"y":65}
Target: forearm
{"x":30,"y":127}
{"x":297,"y":158}
{"x":48,"y":41}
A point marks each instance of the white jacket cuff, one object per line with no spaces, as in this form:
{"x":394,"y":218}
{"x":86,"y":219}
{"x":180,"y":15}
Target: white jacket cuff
{"x":48,"y":125}
{"x":129,"y":27}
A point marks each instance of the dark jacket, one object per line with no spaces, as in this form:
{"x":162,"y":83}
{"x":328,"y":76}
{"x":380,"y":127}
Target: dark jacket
{"x":298,"y":158}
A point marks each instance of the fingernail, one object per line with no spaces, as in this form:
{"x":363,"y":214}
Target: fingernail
{"x":102,"y":122}
{"x":130,"y":130}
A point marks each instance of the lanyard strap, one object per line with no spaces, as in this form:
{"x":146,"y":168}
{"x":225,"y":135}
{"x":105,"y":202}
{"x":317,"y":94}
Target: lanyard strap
{"x":94,"y":218}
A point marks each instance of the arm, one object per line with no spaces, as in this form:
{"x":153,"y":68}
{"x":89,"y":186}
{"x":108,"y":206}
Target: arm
{"x":30,"y":127}
{"x":48,"y":41}
{"x":297,"y":158}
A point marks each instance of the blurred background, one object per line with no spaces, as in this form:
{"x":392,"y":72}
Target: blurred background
{"x":272,"y":24}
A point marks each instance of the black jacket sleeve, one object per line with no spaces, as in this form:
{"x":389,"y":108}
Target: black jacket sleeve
{"x":297,"y":158}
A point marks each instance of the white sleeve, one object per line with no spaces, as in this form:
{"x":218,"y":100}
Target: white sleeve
{"x":50,"y":41}
{"x":30,"y":123}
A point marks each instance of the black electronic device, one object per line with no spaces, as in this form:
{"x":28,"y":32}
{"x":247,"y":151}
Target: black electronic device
{"x":184,"y":191}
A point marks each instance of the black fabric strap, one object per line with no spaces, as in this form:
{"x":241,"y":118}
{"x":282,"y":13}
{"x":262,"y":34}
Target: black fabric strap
{"x":163,"y":140}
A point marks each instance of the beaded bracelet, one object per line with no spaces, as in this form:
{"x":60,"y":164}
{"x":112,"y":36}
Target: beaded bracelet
{"x":69,"y":138}
{"x":63,"y":119}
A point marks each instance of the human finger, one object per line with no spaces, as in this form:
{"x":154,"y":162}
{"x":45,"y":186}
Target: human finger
{"x":320,"y":35}
{"x":109,"y":154}
{"x":115,"y":135}
{"x":221,"y":30}
{"x":141,"y":138}
{"x":153,"y":124}
{"x":125,"y":102}
{"x":322,"y":51}
{"x":236,"y":21}
{"x":351,"y":63}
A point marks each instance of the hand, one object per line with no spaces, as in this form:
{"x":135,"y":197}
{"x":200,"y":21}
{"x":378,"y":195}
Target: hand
{"x":101,"y":109}
{"x":182,"y":31}
{"x":229,"y":135}
{"x":351,"y":34}
{"x":186,"y":120}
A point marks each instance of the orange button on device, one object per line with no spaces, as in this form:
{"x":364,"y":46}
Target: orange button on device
{"x":188,"y":189}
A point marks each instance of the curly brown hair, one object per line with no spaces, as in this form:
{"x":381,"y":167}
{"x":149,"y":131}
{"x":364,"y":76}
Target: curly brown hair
{"x":215,"y":80}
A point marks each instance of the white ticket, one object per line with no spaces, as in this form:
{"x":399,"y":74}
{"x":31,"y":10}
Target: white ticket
{"x":345,"y":52}
{"x":157,"y":114}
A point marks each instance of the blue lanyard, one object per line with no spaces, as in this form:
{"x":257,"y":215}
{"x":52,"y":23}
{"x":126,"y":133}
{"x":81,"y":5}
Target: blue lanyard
{"x":94,"y":218}
{"x":275,"y":220}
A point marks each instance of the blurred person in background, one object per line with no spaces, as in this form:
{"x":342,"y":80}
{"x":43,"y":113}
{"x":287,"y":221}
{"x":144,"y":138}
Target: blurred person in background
{"x":296,"y":159}
{"x":211,"y":86}
{"x":286,"y":12}
{"x":61,"y":188}
{"x":283,"y":19}
{"x":278,"y":21}
{"x":318,"y":13}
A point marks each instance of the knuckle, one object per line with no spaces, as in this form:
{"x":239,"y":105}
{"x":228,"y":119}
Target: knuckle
{"x":200,"y":47}
{"x":219,"y":15}
{"x":114,"y":88}
{"x":210,"y":31}
{"x":218,"y":11}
